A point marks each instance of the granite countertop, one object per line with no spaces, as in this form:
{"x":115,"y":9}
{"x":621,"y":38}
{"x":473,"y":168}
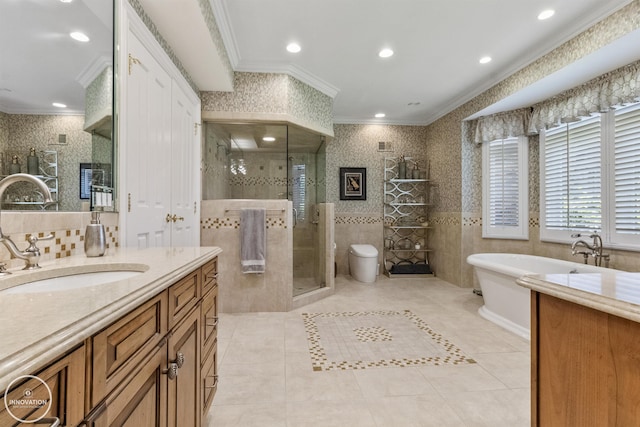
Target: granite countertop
{"x":614,"y":292}
{"x":37,"y":327}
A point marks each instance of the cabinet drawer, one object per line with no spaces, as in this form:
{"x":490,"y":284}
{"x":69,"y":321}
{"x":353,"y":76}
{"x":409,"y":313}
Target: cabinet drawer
{"x":183,"y":296}
{"x":139,"y":400}
{"x":119,"y":348}
{"x":209,"y":319}
{"x":209,"y":379}
{"x":209,"y":275}
{"x":65,"y":379}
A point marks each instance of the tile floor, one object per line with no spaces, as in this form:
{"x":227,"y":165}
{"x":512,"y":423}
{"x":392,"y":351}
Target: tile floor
{"x":267,"y":375}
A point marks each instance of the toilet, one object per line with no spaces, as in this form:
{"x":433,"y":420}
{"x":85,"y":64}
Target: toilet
{"x":363,"y":263}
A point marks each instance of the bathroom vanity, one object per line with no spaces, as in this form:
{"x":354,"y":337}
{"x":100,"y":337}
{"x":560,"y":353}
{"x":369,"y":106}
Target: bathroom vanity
{"x":585,"y":350}
{"x":136,"y":350}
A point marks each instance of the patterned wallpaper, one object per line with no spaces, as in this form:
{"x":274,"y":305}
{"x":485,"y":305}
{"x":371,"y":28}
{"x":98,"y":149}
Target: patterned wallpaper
{"x":165,"y":46}
{"x":42,"y":133}
{"x":357,"y":146}
{"x":274,"y":93}
{"x":4,"y":131}
{"x":99,"y":97}
{"x":210,"y":19}
{"x":459,"y":169}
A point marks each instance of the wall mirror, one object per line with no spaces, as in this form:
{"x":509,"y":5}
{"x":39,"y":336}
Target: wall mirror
{"x":56,"y":96}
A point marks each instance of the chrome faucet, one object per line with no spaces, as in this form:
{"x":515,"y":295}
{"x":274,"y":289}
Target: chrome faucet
{"x":31,"y":255}
{"x":594,"y":249}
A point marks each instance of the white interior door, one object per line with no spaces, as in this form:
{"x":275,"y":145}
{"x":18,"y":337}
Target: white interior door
{"x":147,"y":163}
{"x":185,"y":176}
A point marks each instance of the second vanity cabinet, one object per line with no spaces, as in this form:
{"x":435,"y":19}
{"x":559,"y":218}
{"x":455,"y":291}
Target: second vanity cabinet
{"x":154,"y":366}
{"x":584,"y":365}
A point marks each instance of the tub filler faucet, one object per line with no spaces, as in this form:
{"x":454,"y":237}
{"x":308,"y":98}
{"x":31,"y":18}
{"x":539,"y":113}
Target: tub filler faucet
{"x":31,"y":255}
{"x":594,"y":249}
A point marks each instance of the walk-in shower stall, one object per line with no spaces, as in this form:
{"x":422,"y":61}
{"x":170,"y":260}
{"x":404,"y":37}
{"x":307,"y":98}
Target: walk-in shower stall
{"x":274,"y":162}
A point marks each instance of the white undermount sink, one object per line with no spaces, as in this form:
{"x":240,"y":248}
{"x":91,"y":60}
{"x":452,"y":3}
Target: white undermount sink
{"x":66,"y":279}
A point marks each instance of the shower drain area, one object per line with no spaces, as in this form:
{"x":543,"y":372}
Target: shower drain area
{"x":376,"y":339}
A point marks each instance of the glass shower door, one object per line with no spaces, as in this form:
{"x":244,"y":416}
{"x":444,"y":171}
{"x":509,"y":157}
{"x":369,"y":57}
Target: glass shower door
{"x":302,"y":190}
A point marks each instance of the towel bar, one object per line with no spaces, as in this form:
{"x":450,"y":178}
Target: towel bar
{"x":269,"y":211}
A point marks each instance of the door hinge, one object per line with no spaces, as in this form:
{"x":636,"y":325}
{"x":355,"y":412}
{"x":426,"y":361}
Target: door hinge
{"x":195,"y":207}
{"x":133,"y":61}
{"x":195,"y":128}
{"x":129,"y":202}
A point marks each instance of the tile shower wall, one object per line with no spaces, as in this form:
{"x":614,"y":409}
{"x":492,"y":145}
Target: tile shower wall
{"x":459,"y":164}
{"x":68,"y":229}
{"x":357,"y":146}
{"x":241,"y":293}
{"x":215,"y":167}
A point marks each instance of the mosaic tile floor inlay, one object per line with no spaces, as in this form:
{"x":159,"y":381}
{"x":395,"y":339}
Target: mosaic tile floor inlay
{"x":376,"y":339}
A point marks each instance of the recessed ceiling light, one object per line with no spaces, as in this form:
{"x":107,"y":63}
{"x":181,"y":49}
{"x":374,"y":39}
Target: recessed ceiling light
{"x":59,"y":105}
{"x":293,"y":48}
{"x":81,"y":37}
{"x":268,"y":139}
{"x":379,"y":115}
{"x":485,"y":59}
{"x":66,"y":1}
{"x":546,"y":14}
{"x":385,"y":53}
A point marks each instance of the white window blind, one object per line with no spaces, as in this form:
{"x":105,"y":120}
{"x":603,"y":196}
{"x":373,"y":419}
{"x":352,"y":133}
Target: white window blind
{"x":627,"y":171}
{"x":572,"y":176}
{"x":505,"y":198}
{"x":590,"y":179}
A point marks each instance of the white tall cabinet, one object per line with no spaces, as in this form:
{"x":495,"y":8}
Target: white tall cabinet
{"x":159,"y":152}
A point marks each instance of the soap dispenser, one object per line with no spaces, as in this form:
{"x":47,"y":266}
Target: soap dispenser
{"x":33,"y":167}
{"x":95,"y":240}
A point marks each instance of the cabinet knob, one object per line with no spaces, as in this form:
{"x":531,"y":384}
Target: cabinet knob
{"x":179,"y":359}
{"x":171,"y":371}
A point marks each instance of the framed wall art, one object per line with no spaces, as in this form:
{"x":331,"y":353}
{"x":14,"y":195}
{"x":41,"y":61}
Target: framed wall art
{"x":353,"y":184}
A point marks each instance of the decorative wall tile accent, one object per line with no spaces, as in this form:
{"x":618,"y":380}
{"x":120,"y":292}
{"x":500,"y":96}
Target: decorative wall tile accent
{"x":217,"y":223}
{"x":376,"y":339}
{"x":65,"y":243}
{"x":358,"y":219}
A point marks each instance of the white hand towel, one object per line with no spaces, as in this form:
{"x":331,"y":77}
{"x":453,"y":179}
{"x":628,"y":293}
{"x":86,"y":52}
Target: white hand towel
{"x":253,"y":240}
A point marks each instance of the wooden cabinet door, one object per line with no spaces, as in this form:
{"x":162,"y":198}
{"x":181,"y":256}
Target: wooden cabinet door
{"x":585,"y":366}
{"x":65,"y":379}
{"x":183,"y":406}
{"x":118,"y":349}
{"x":139,"y":400}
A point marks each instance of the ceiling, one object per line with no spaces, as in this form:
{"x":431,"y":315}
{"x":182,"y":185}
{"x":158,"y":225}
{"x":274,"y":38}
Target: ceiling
{"x":437,"y":47}
{"x":39,"y":62}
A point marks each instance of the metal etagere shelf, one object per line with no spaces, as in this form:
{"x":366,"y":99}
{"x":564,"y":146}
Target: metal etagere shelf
{"x":406,"y":225}
{"x":22,"y":197}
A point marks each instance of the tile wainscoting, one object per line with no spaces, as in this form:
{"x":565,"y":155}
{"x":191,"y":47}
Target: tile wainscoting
{"x":68,"y":229}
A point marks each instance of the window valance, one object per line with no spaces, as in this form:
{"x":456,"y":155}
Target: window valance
{"x":618,"y":87}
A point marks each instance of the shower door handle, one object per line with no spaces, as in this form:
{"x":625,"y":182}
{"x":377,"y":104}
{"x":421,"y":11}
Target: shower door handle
{"x":295,"y":216}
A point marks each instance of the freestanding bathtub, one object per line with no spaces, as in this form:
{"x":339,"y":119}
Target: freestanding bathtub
{"x":506,"y":303}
